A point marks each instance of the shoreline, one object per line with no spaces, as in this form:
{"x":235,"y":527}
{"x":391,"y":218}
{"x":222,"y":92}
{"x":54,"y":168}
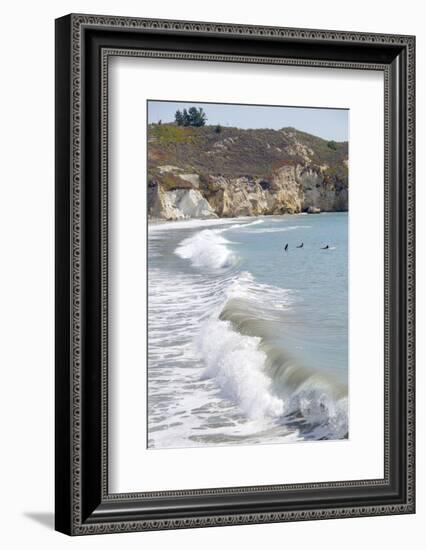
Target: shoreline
{"x":154,"y":221}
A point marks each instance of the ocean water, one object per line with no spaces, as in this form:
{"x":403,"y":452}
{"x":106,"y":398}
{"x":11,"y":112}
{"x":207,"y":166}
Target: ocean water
{"x":247,"y":342}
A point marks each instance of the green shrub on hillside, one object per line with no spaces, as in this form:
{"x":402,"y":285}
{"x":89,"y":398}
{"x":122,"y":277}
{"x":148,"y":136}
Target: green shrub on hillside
{"x":168,"y":133}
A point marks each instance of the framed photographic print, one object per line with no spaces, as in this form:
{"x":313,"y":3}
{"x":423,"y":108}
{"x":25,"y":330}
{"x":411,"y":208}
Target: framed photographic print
{"x":234,"y":274}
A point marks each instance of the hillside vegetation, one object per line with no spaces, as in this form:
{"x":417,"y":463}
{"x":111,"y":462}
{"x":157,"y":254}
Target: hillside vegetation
{"x":236,"y":152}
{"x":216,"y":161}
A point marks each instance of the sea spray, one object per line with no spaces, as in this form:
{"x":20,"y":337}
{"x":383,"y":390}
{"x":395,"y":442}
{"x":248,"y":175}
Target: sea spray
{"x":207,"y":249}
{"x":236,"y":362}
{"x":325,"y":414}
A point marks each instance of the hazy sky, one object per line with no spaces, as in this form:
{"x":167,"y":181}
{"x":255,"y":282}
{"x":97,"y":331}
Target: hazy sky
{"x":325,"y":123}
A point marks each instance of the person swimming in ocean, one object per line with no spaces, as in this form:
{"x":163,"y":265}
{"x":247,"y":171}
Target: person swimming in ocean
{"x":300,"y":246}
{"x":286,"y":247}
{"x":325,"y":247}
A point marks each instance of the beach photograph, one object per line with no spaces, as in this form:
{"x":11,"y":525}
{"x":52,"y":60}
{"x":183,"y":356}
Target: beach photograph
{"x":247,"y":261}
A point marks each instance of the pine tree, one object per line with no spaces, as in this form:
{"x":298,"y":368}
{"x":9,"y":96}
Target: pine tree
{"x":192,"y":117}
{"x":197,"y":116}
{"x":178,"y":118}
{"x":186,"y":119}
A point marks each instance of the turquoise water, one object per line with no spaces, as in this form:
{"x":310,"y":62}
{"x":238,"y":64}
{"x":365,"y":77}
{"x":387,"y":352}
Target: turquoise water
{"x":318,"y":279}
{"x":247,"y":342}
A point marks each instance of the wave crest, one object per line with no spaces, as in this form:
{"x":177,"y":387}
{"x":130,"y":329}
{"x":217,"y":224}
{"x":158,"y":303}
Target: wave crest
{"x":265,"y":381}
{"x":207,"y":249}
{"x":235,"y":362}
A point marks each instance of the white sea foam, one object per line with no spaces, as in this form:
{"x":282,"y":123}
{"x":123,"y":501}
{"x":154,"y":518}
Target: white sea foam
{"x":266,"y":297}
{"x":235,"y":362}
{"x":281,"y":229}
{"x":320,"y":408}
{"x":207,"y":249}
{"x":242,"y":225}
{"x":195,"y":223}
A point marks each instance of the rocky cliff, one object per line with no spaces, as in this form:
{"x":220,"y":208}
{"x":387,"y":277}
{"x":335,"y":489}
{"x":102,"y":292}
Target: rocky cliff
{"x":203,"y":172}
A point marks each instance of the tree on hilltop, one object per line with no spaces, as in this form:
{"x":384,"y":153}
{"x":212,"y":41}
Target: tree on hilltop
{"x":179,"y":118}
{"x":186,"y":120}
{"x":197,"y":116}
{"x":193,"y":117}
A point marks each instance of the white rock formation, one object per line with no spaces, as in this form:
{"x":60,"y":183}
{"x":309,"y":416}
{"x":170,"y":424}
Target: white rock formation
{"x":178,"y":204}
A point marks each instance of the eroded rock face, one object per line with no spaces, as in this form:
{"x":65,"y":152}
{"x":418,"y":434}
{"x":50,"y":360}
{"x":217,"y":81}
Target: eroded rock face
{"x":191,"y":203}
{"x":286,"y":192}
{"x":177,"y":204}
{"x":322,"y":192}
{"x":232,"y":197}
{"x":290,"y":190}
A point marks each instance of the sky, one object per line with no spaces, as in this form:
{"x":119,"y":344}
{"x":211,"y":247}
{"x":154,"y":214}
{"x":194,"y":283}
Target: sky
{"x":331,"y":124}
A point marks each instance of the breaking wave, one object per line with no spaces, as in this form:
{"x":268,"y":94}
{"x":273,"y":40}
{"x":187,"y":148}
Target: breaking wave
{"x":242,"y":351}
{"x":207,"y":249}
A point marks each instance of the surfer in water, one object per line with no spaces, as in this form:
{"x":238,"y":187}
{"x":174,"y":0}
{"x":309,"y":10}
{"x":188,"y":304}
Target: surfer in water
{"x":300,"y":246}
{"x":286,"y":247}
{"x":325,"y":247}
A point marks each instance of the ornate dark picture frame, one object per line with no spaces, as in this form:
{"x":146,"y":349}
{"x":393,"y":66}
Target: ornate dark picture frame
{"x":84,"y":44}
